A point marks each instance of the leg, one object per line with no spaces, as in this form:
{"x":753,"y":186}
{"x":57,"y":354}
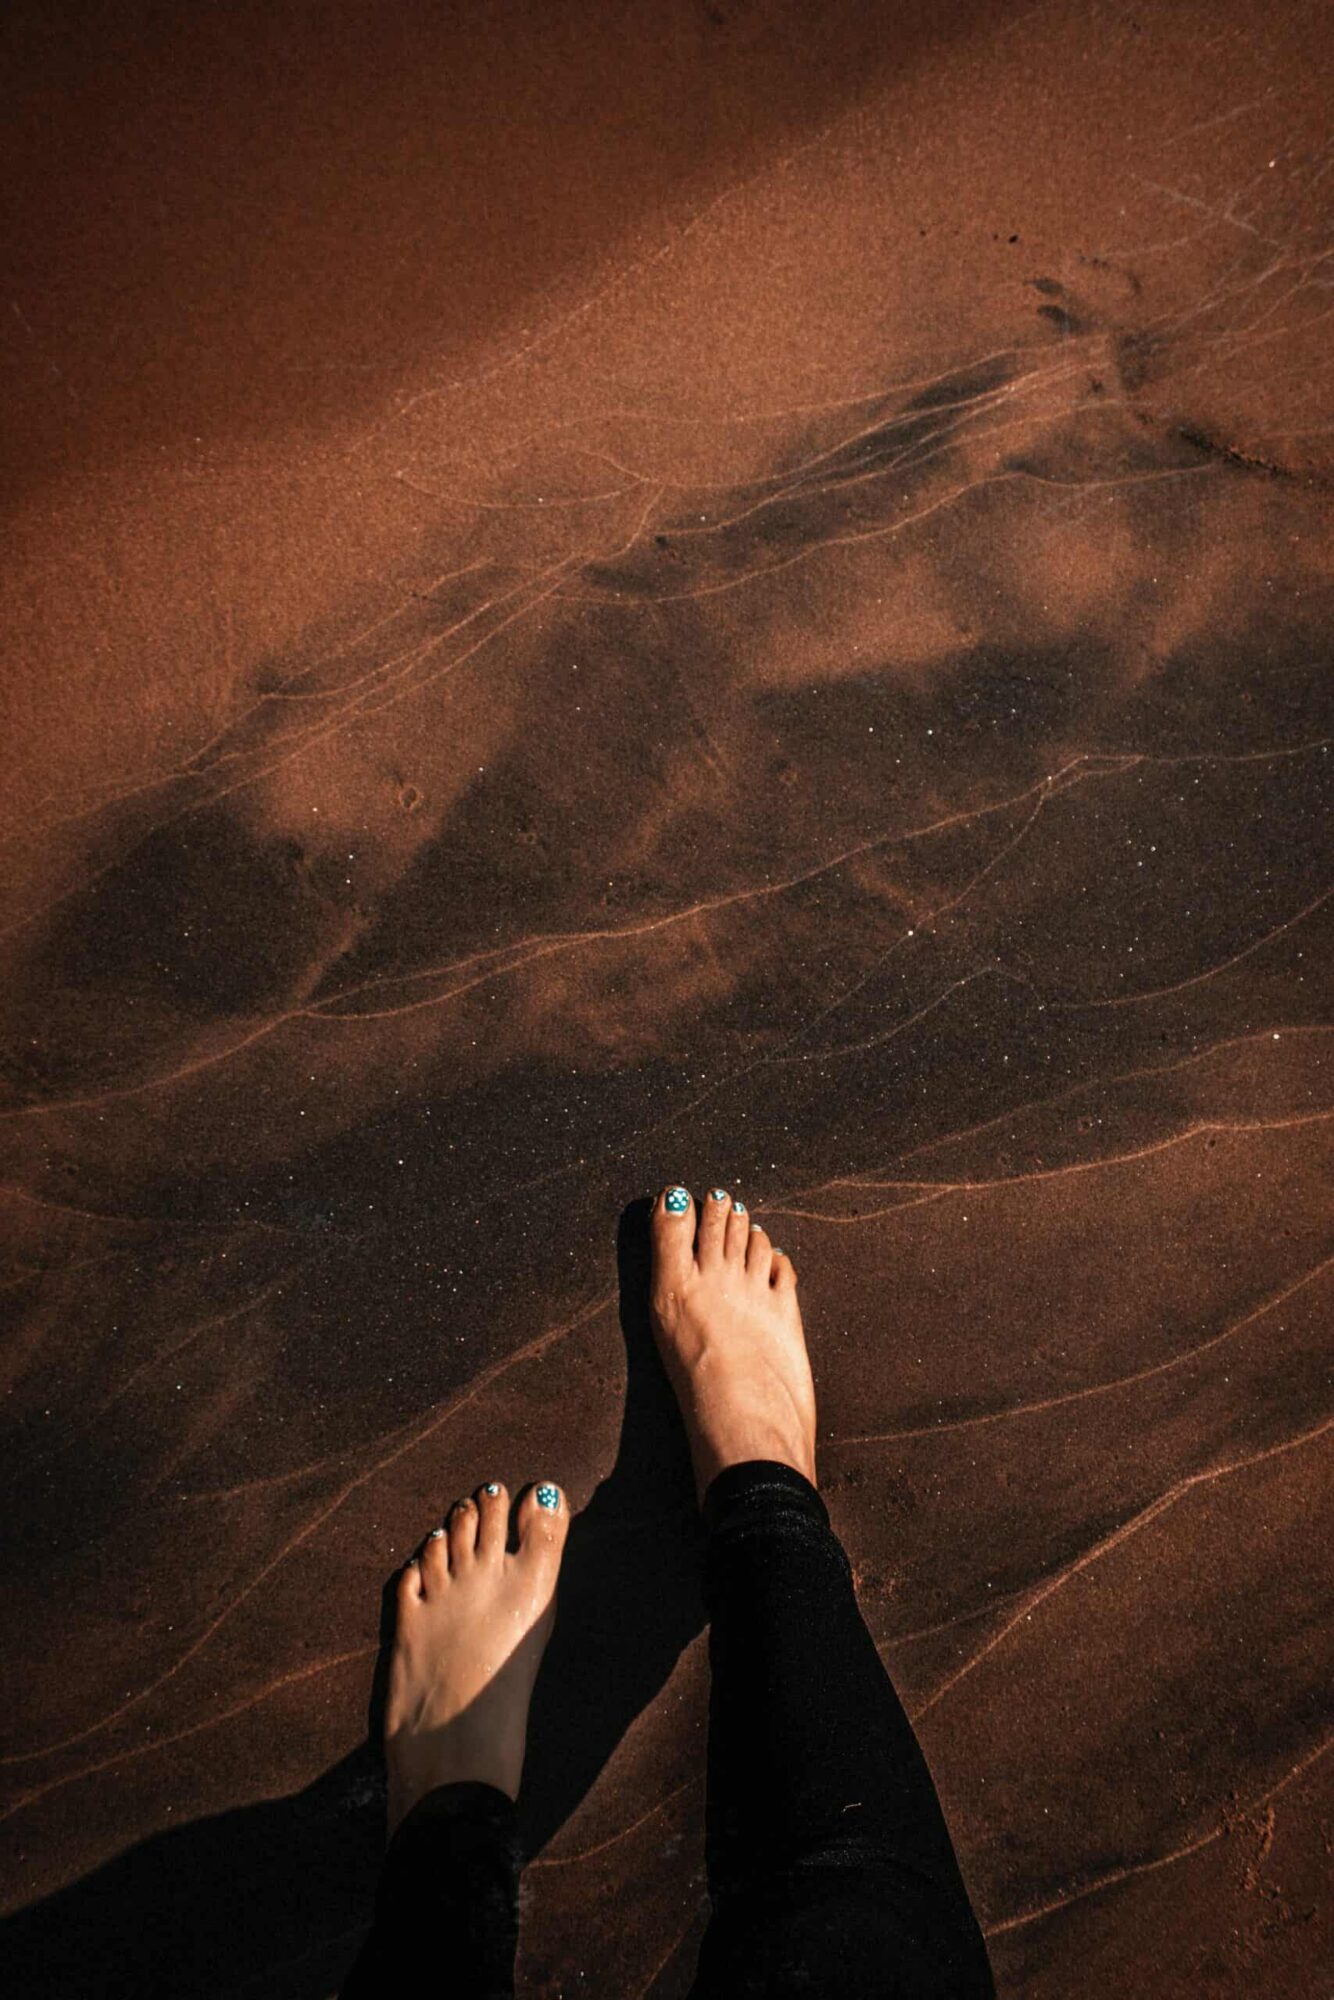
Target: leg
{"x":447,"y":1906}
{"x":831,"y":1870}
{"x":830,"y":1863}
{"x":473,"y":1622}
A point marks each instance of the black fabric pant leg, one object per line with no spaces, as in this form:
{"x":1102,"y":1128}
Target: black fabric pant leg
{"x":831,"y":1870}
{"x":447,"y":1906}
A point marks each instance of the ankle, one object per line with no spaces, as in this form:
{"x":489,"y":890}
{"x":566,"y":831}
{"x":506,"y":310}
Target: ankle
{"x":713,"y":1454}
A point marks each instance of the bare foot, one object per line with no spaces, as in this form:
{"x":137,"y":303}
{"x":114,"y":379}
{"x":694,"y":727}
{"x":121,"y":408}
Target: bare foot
{"x":729,"y":1331}
{"x":472,"y":1626}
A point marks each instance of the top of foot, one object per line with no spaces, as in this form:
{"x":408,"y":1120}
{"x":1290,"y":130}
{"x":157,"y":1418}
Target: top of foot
{"x":728,"y":1327}
{"x":473,"y":1622}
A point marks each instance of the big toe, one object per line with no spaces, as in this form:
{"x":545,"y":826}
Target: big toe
{"x":672,"y":1235}
{"x":541,"y":1523}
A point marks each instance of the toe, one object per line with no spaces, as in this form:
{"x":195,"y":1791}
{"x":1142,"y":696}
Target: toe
{"x":759,"y":1255}
{"x":543,"y":1521}
{"x":712,"y":1231}
{"x":433,"y":1562}
{"x":493,"y":1513}
{"x":738,"y":1232}
{"x":783,"y":1275}
{"x":409,"y":1584}
{"x":462,"y":1526}
{"x":672,"y":1232}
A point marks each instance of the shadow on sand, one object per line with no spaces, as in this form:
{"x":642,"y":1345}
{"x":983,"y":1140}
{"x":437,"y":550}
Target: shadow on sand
{"x":272,"y":1899}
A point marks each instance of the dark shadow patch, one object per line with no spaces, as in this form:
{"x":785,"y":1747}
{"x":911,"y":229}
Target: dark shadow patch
{"x":826,"y":482}
{"x":1140,"y":356}
{"x":273,"y":1898}
{"x":907,"y":428}
{"x":201,"y":922}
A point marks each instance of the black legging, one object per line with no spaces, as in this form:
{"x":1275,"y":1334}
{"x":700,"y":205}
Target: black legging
{"x":831,"y":1871}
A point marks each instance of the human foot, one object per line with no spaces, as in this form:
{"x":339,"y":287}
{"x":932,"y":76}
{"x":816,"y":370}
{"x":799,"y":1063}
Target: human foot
{"x":472,"y":1626}
{"x":728,"y":1326}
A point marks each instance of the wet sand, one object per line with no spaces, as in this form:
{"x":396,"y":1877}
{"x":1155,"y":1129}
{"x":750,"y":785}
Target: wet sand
{"x":590,"y":604}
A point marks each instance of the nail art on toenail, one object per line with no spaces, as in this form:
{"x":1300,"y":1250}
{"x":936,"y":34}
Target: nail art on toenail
{"x":548,"y":1496}
{"x":738,"y":1208}
{"x":491,"y":1487}
{"x":718,"y":1194}
{"x":435,"y":1535}
{"x":676,"y":1200}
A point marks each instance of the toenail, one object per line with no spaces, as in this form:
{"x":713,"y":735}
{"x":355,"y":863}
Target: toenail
{"x":739,"y":1207}
{"x":754,"y":1225}
{"x":548,"y":1496}
{"x":718,"y":1194}
{"x":411,"y":1563}
{"x":778,"y":1252}
{"x":491,"y":1487}
{"x":676,"y":1200}
{"x":435,"y":1535}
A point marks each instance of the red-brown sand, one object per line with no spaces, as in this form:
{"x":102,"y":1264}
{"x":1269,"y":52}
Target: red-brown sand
{"x":598,"y":595}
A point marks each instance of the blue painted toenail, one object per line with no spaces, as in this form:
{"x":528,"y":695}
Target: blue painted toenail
{"x":548,"y":1497}
{"x":676,"y":1200}
{"x":435,"y":1535}
{"x":718,"y":1194}
{"x":739,"y":1207}
{"x":778,"y":1252}
{"x":491,"y":1488}
{"x":754,"y":1225}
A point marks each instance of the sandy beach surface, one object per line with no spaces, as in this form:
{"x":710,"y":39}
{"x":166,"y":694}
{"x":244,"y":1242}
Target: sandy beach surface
{"x":594,"y":596}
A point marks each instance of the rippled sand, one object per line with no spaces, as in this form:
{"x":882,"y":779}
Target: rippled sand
{"x":613,"y":598}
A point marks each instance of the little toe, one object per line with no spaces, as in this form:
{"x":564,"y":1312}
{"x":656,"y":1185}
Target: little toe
{"x":409,"y":1584}
{"x":672,"y":1234}
{"x":493,"y":1513}
{"x":783,"y":1274}
{"x":712,"y":1228}
{"x":462,"y":1526}
{"x":543,"y":1521}
{"x":738,"y":1232}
